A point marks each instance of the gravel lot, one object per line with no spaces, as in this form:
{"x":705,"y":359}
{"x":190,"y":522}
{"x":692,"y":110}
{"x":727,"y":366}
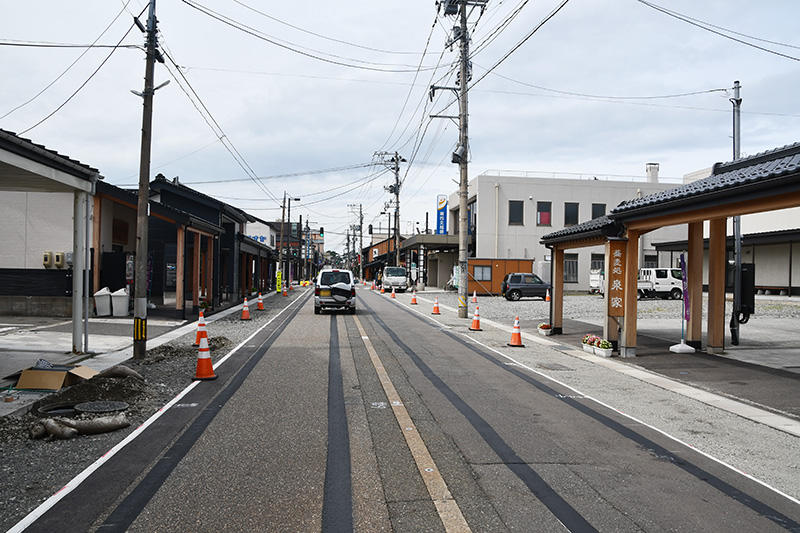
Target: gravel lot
{"x":33,"y":470}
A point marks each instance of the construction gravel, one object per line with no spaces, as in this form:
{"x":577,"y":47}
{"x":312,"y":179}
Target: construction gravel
{"x":33,"y":470}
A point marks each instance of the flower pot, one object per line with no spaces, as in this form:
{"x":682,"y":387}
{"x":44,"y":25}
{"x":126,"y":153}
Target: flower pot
{"x":588,"y":348}
{"x":603,"y":352}
{"x":545,"y":332}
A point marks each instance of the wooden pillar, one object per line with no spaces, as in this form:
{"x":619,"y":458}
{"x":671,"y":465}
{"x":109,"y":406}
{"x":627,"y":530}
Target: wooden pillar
{"x":196,"y":274}
{"x":180,"y":275}
{"x":628,"y":341}
{"x":557,"y":290}
{"x":717,"y":262}
{"x":694,"y":286}
{"x":209,"y":278}
{"x":611,"y":322}
{"x":96,"y":243}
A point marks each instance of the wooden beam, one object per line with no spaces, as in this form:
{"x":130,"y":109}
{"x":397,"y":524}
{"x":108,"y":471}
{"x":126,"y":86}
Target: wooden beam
{"x":694,"y":274}
{"x":180,"y":274}
{"x":717,"y":262}
{"x":196,"y":273}
{"x":744,"y":207}
{"x":96,"y":242}
{"x":557,"y":292}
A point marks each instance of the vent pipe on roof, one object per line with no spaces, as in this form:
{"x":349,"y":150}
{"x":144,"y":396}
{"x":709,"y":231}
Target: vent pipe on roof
{"x":652,"y":172}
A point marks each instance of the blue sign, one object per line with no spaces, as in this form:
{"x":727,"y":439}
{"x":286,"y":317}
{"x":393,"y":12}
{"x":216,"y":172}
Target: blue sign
{"x":441,"y":215}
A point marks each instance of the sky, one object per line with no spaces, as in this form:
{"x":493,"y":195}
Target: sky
{"x":268,"y":100}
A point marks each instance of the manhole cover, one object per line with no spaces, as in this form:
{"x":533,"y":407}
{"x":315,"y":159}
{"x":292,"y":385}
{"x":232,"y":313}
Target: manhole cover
{"x":100,"y":407}
{"x":57,"y":409}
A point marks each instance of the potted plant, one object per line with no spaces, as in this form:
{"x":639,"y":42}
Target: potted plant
{"x":545,"y":329}
{"x":588,"y":342}
{"x":603,"y":348}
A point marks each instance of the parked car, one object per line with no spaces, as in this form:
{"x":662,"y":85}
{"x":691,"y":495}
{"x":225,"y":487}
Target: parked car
{"x":667,"y":282}
{"x":523,"y":285}
{"x":335,"y":289}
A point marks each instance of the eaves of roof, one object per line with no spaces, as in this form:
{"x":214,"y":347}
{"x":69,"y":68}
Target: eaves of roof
{"x":766,"y":174}
{"x":13,"y":143}
{"x":597,"y":227}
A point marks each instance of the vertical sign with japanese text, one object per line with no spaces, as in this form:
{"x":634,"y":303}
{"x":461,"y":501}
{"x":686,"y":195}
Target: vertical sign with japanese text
{"x":441,"y":215}
{"x":616,"y":279}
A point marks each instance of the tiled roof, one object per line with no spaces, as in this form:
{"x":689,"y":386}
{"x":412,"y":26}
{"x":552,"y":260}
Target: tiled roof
{"x":727,"y":178}
{"x":600,"y":226}
{"x":25,"y":147}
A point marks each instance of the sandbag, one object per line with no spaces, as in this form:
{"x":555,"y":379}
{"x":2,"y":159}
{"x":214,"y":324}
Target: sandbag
{"x":59,"y":430}
{"x":94,"y":426}
{"x":120,"y":371}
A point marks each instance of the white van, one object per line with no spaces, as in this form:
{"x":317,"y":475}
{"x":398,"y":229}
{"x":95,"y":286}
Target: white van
{"x":394,"y":278}
{"x":667,"y":282}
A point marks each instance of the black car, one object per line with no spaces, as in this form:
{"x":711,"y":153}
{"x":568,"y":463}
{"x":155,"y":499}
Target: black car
{"x":519,"y":284}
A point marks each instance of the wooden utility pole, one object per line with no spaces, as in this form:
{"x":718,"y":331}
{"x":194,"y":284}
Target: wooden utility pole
{"x":140,"y":266}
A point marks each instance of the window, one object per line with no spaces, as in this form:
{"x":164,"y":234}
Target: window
{"x":570,"y":268}
{"x":483,"y":273}
{"x":543,"y":213}
{"x":650,"y":261}
{"x":598,"y":210}
{"x":515,"y":213}
{"x":570,"y":214}
{"x":598,"y":262}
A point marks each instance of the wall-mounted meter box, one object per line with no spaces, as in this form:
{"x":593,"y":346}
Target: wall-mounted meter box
{"x":47,"y":259}
{"x":58,"y":259}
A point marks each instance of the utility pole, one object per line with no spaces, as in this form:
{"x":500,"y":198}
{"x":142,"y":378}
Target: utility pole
{"x":280,"y":246}
{"x":360,"y":243}
{"x":143,"y":208}
{"x":461,"y":154}
{"x":737,"y":222}
{"x":395,"y":161}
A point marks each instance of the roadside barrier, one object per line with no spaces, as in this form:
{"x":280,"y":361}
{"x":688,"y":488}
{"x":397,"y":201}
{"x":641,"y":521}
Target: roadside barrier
{"x":245,"y":311}
{"x":476,"y":321}
{"x":516,"y":335}
{"x":201,"y":329}
{"x":204,"y":371}
{"x":436,"y":306}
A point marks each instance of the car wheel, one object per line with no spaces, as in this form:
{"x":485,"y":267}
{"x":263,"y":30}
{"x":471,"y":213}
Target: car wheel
{"x":514,"y":296}
{"x":352,"y":310}
{"x":317,"y":310}
{"x":675,"y":294}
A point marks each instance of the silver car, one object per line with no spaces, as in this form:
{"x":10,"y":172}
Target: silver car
{"x":335,"y":289}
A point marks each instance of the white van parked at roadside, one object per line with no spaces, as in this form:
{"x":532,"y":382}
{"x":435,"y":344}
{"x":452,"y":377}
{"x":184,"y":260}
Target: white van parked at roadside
{"x":667,"y":282}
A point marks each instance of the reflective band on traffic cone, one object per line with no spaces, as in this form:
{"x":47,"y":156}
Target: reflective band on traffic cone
{"x":260,"y":302}
{"x":284,"y":293}
{"x":474,"y":297}
{"x":291,"y":287}
{"x":205,"y":370}
{"x":245,"y":311}
{"x":393,"y":296}
{"x":201,"y":330}
{"x":436,"y":306}
{"x":476,"y":321}
{"x":547,"y":296}
{"x":383,"y":290}
{"x":372,"y":287}
{"x":516,"y":335}
{"x":414,"y":298}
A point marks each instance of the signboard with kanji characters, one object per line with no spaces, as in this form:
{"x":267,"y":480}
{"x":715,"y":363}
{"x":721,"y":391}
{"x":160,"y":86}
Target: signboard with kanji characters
{"x":615,"y":296}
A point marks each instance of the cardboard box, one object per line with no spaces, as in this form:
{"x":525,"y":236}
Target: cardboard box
{"x":53,"y":378}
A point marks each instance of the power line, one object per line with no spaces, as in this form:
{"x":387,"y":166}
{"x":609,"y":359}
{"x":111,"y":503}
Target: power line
{"x":709,"y":28}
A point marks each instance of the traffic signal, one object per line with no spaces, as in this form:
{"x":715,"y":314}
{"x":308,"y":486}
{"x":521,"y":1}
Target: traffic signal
{"x":321,"y":232}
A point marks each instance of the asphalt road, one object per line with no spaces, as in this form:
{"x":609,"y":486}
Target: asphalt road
{"x":390,"y":421}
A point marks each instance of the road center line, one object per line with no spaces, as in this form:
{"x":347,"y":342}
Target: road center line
{"x":446,"y":506}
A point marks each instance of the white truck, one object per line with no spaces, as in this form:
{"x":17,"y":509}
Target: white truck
{"x":666,"y":282}
{"x":394,"y":277}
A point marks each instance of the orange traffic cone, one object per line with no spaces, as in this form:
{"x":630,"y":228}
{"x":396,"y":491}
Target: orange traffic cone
{"x":284,"y":293}
{"x":476,"y":321}
{"x":201,"y":329}
{"x":436,"y":306}
{"x":245,"y":311}
{"x":547,"y":296}
{"x":474,"y":297}
{"x":291,"y":287}
{"x":205,"y":370}
{"x":414,"y":298}
{"x":260,"y":303}
{"x":393,"y":296}
{"x":383,"y":290}
{"x":372,"y":287}
{"x":516,"y":335}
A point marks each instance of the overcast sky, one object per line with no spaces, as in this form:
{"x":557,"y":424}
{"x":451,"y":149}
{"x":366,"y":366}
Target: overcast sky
{"x":305,"y":93}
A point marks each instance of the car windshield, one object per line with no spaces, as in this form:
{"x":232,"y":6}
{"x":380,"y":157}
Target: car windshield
{"x":332,"y":278}
{"x":395,"y":272}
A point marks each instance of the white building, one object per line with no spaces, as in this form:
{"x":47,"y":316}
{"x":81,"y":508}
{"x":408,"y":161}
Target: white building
{"x":509,"y":212}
